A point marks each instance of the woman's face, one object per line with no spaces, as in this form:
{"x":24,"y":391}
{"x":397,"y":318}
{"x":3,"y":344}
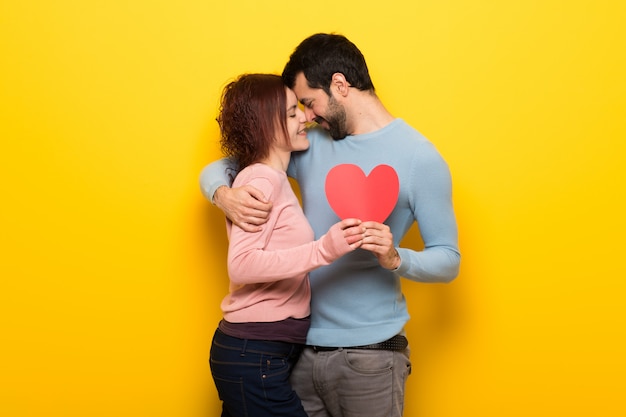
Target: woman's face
{"x":297,"y":140}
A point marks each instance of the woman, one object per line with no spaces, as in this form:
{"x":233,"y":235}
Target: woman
{"x":266,"y":313}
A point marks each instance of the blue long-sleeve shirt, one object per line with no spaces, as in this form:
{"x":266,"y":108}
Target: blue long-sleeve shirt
{"x":354,"y":300}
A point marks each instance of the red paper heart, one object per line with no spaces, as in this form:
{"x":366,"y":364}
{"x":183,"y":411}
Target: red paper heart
{"x":352,"y":194}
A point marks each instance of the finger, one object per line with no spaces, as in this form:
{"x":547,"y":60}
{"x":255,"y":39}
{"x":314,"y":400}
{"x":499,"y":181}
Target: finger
{"x":254,"y":221}
{"x":246,"y":218}
{"x":370,"y":241}
{"x":354,"y":230}
{"x":375,"y":249}
{"x":259,"y":206}
{"x":251,"y":228}
{"x":256,"y":216}
{"x":374,"y":225}
{"x":376,"y":234}
{"x":258,"y":195}
{"x":356,"y":245}
{"x":346,"y":223}
{"x":354,"y":239}
{"x":382,"y":242}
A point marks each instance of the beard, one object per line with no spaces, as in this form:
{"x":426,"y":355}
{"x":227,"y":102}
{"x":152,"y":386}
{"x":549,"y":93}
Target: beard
{"x":335,"y":119}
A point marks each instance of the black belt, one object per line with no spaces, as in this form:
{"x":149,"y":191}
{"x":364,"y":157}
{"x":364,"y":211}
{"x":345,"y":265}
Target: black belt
{"x":396,"y":343}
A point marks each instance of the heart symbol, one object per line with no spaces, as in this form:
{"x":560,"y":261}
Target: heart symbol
{"x":351,"y":193}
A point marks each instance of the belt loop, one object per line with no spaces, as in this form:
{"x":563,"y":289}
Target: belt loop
{"x":243,"y":348}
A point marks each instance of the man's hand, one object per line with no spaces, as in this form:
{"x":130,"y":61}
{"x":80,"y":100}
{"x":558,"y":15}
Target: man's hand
{"x":379,"y":240}
{"x":244,"y":206}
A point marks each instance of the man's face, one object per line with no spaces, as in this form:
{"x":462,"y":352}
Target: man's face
{"x":320,"y":108}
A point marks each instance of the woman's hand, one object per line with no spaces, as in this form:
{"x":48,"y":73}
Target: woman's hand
{"x":352,"y":232}
{"x":342,"y":237}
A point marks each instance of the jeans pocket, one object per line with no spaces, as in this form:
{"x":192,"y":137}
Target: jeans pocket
{"x":369,"y":361}
{"x":232,"y":393}
{"x":274,"y":366}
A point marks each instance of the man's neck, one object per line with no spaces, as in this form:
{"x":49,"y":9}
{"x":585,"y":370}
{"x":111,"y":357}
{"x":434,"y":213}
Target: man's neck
{"x":367,"y":114}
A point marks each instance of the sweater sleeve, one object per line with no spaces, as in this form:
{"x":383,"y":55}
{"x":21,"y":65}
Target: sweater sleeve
{"x":250,"y":262}
{"x":216,"y":174}
{"x":439,"y":261}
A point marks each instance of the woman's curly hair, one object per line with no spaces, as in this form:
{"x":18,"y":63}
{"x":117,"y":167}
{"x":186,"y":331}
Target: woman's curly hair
{"x":251,"y":115}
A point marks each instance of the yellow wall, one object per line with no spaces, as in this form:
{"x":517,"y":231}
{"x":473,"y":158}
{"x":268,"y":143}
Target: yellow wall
{"x":112,"y":264}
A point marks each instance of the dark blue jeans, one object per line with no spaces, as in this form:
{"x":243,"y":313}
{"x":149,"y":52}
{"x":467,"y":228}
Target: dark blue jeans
{"x":252,"y":377}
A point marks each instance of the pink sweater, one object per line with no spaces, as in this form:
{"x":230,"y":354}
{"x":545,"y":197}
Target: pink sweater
{"x":268,"y":270}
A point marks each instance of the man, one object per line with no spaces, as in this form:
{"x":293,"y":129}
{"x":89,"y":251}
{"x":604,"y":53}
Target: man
{"x":357,"y":359}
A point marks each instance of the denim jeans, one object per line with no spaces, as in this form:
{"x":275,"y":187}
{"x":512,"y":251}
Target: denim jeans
{"x":252,"y":377}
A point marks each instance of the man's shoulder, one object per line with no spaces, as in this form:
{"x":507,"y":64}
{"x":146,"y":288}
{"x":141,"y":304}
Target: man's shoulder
{"x":404,"y":129}
{"x":316,"y":132}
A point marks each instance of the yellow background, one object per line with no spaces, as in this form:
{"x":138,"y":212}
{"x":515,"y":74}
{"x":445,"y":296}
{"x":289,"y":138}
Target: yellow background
{"x":113,"y":265}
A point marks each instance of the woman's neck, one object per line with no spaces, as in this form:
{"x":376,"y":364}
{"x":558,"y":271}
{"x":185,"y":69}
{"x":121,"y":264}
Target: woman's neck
{"x":277,"y":160}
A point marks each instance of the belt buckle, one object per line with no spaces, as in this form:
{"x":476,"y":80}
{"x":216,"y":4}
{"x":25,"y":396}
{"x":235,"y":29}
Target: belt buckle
{"x":324,"y":348}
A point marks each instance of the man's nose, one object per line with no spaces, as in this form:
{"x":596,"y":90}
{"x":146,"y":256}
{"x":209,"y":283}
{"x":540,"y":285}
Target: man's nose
{"x":310,"y":115}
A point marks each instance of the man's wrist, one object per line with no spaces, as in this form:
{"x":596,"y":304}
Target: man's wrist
{"x":397,"y":260}
{"x":216,"y":198}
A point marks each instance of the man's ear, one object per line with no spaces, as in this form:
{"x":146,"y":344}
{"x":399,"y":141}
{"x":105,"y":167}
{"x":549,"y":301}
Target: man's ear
{"x":339,"y":84}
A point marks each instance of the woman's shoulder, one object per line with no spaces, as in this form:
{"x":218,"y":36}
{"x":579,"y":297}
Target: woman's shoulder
{"x":260,"y":170}
{"x":261,"y":176}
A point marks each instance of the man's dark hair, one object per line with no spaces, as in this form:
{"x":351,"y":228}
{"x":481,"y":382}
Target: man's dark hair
{"x":320,"y":56}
